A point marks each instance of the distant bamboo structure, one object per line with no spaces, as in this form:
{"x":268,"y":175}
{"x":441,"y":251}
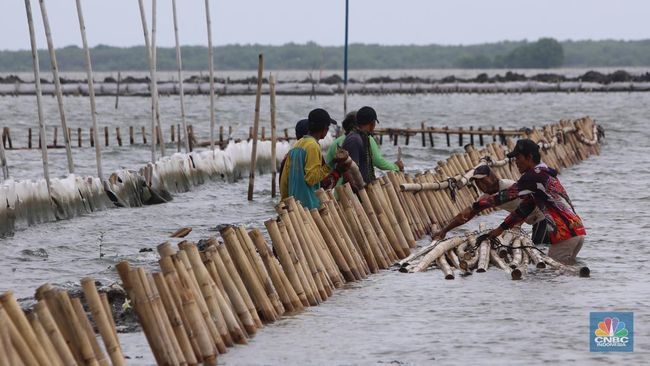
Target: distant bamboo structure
{"x":179,"y":63}
{"x":211,"y":68}
{"x":39,"y":102}
{"x":57,"y":86}
{"x":91,"y":92}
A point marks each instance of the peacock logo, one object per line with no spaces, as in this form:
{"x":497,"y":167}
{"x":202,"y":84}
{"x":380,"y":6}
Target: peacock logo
{"x":611,"y":331}
{"x":611,"y":327}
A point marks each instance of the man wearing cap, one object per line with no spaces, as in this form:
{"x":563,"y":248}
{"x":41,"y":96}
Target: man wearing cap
{"x":349,"y":124}
{"x":488,"y":183}
{"x":539,"y":187}
{"x":359,"y":145}
{"x":304,"y":167}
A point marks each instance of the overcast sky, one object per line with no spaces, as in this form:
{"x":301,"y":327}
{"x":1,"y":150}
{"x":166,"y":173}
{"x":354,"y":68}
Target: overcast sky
{"x":117,"y":22}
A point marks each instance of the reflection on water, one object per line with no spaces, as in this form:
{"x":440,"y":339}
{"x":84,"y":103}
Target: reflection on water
{"x":390,"y":318}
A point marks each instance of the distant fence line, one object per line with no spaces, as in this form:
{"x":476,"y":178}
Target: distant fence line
{"x":298,"y":88}
{"x":139,"y":135}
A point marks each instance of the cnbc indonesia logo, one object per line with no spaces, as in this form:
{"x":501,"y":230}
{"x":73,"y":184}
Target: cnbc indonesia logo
{"x":612,"y":333}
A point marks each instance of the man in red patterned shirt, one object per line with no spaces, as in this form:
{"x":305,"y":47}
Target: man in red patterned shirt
{"x":539,"y":187}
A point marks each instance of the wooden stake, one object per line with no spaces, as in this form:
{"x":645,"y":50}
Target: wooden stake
{"x":117,"y":93}
{"x":57,"y":86}
{"x":179,"y":64}
{"x":39,"y":102}
{"x":91,"y":91}
{"x":273,"y":135}
{"x":153,"y":87}
{"x":208,"y":22}
{"x":256,"y":123}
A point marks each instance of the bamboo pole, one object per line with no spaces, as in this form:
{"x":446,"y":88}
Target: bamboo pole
{"x":55,"y":335}
{"x":103,"y":325}
{"x":39,"y":102}
{"x":175,"y":318}
{"x":179,"y":64}
{"x":57,"y":85}
{"x":229,"y":266}
{"x":199,"y":330}
{"x":288,"y":297}
{"x":208,"y":22}
{"x":91,"y":91}
{"x":260,"y":298}
{"x":273,"y":135}
{"x":17,"y":341}
{"x":258,"y":265}
{"x":307,"y":282}
{"x":88,"y":330}
{"x":7,"y":354}
{"x":212,"y":294}
{"x":286,"y":259}
{"x":17,"y":316}
{"x":230,"y":288}
{"x":78,"y":334}
{"x":152,"y":84}
{"x":154,"y":78}
{"x":256,"y":123}
{"x":3,"y":161}
{"x":209,"y":308}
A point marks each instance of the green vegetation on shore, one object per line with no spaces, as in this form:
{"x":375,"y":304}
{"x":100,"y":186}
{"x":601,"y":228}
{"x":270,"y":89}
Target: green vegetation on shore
{"x":544,"y":53}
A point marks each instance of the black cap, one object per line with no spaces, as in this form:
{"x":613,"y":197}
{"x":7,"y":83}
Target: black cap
{"x":480,"y":172}
{"x":319,"y":119}
{"x":302,"y":128}
{"x":524,"y":147}
{"x":366,"y":115}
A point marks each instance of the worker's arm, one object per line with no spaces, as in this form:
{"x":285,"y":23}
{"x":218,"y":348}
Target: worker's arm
{"x":315,"y":169}
{"x":499,"y":198}
{"x":378,"y":160}
{"x":464,"y":216}
{"x":516,"y":217}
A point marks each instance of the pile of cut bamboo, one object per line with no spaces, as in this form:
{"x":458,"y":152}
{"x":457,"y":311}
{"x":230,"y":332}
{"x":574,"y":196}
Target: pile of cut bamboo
{"x":465,"y":254}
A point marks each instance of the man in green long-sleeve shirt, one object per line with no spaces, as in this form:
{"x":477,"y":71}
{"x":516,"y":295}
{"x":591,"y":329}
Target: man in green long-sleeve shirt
{"x":349,"y":125}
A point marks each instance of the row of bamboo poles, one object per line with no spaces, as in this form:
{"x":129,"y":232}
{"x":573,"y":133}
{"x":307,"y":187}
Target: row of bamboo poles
{"x":143,"y":136}
{"x":211,"y":295}
{"x":58,"y":331}
{"x":133,"y":136}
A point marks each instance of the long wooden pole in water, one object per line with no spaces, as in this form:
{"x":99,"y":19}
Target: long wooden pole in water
{"x":3,"y":159}
{"x":160,"y":136}
{"x":273,"y":134}
{"x":181,"y":93}
{"x":211,"y":71}
{"x":39,"y":102}
{"x":57,"y":85}
{"x":147,"y":46}
{"x":91,"y":91}
{"x":256,"y":124}
{"x":345,"y":62}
